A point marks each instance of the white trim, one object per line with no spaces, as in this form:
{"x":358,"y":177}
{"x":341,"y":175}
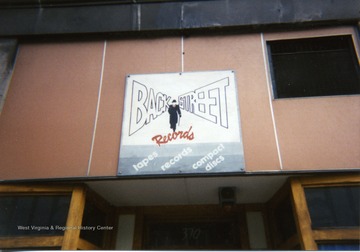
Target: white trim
{"x":182,"y":54}
{"x":5,"y":82}
{"x":138,"y":16}
{"x":97,"y":109}
{"x":263,"y":44}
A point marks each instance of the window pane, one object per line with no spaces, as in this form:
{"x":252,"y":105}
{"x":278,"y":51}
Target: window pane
{"x":314,"y":67}
{"x":33,"y":215}
{"x":333,"y":206}
{"x":284,"y":220}
{"x":354,"y":246}
{"x":93,"y":224}
{"x":192,"y":234}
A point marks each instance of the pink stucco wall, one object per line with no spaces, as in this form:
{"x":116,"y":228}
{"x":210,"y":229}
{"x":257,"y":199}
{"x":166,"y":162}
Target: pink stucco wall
{"x":47,"y":126}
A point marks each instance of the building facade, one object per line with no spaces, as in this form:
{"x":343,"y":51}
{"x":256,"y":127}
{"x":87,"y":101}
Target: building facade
{"x":263,"y":150}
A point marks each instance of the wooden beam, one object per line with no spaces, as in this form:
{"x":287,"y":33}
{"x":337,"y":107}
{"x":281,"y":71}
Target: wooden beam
{"x":337,"y":234}
{"x":333,"y":180}
{"x":243,"y":230}
{"x":138,"y":231}
{"x":85,"y":245}
{"x":303,"y":221}
{"x":290,"y":243}
{"x":30,"y":241}
{"x":35,"y":189}
{"x":74,"y":220}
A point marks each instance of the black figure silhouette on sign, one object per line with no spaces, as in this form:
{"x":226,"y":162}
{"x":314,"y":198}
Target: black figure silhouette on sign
{"x":174,"y":111}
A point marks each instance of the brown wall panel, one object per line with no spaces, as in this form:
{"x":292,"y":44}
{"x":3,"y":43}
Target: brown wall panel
{"x":243,"y":54}
{"x":123,"y":57}
{"x":319,"y":133}
{"x":47,"y":122}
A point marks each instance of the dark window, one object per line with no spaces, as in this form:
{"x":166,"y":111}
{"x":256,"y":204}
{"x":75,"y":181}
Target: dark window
{"x":340,"y":246}
{"x":33,"y":215}
{"x":93,"y":222}
{"x":334,"y":207}
{"x":192,"y":234}
{"x":314,"y":67}
{"x":283,"y":227}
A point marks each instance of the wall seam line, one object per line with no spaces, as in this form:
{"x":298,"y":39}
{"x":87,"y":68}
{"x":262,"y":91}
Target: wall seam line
{"x":97,"y":109}
{"x":270,"y":100}
{"x":182,"y":54}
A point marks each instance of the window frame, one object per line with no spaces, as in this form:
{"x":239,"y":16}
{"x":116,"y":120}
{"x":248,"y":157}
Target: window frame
{"x":70,"y":240}
{"x":309,"y":237}
{"x":352,"y":31}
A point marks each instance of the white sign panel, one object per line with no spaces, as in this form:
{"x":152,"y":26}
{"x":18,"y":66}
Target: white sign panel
{"x":177,"y":123}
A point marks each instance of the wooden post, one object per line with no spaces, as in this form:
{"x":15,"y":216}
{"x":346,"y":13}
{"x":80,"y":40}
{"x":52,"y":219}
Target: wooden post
{"x":138,"y":231}
{"x":74,"y":220}
{"x":302,"y":216}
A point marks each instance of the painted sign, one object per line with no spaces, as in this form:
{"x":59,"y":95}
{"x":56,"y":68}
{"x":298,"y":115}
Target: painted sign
{"x":181,"y":123}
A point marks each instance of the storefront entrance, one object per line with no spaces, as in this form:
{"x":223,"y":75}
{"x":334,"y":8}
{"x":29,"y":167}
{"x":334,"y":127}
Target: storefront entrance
{"x":192,"y":234}
{"x":307,"y":212}
{"x":194,"y":228}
